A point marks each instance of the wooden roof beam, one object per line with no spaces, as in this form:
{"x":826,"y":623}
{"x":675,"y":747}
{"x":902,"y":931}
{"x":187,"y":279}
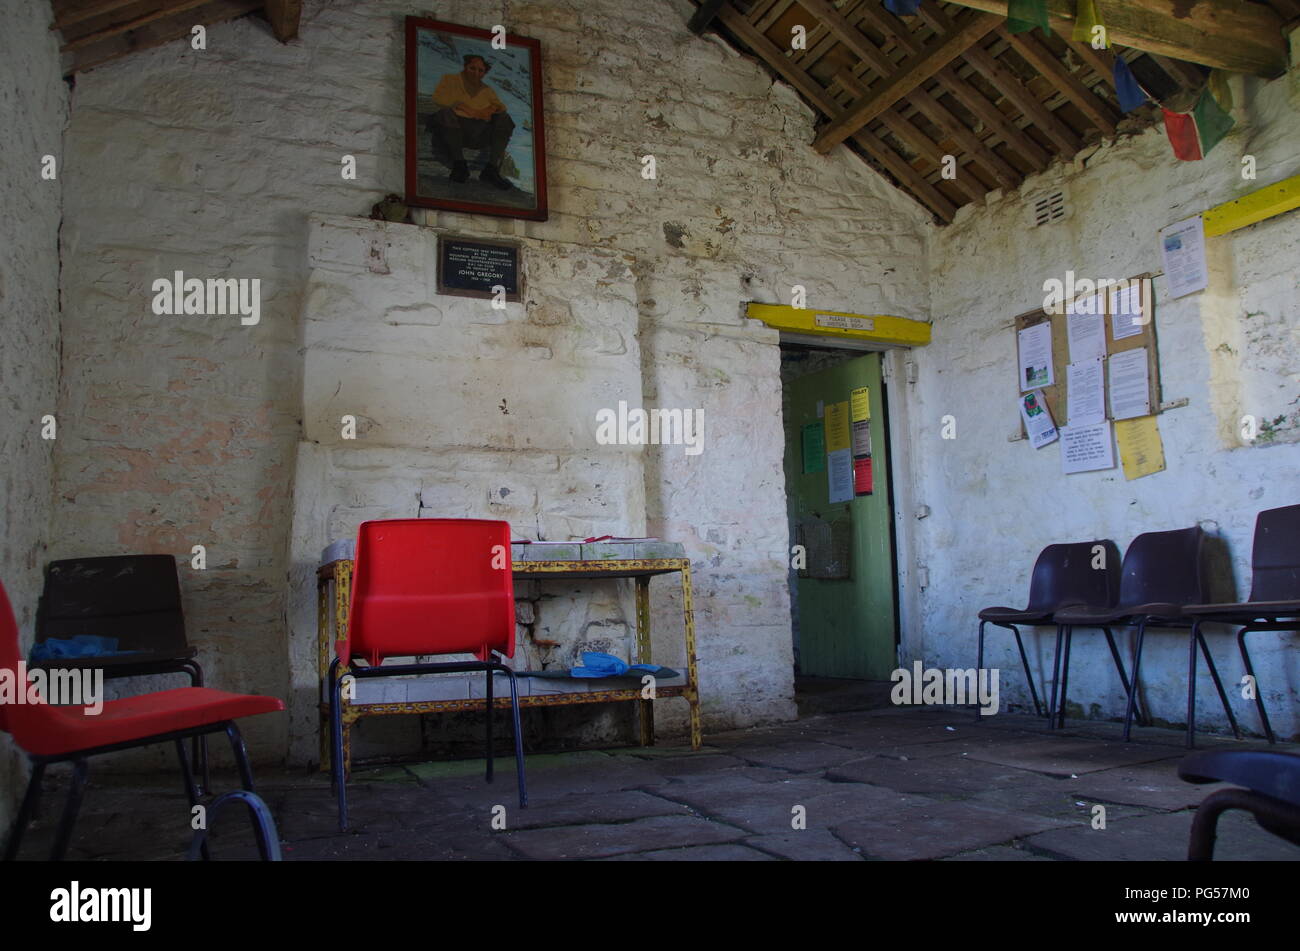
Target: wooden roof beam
{"x":1040,"y":57}
{"x":903,"y":129}
{"x":284,"y":17}
{"x":907,"y":133}
{"x":703,"y":16}
{"x":65,"y":18}
{"x":158,"y":32}
{"x":920,"y":189}
{"x":976,"y":102}
{"x":1024,"y":100}
{"x":912,"y":75}
{"x":1009,"y":85}
{"x":170,"y":9}
{"x":968,"y":140}
{"x":1224,"y":34}
{"x":935,"y":111}
{"x":993,"y":117}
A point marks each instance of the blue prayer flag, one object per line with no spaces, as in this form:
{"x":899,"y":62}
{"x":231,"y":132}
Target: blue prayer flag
{"x":1130,"y":93}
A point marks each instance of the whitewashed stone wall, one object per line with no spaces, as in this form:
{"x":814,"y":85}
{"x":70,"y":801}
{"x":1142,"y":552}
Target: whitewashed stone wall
{"x":33,"y":110}
{"x":196,"y":430}
{"x":1231,"y":351}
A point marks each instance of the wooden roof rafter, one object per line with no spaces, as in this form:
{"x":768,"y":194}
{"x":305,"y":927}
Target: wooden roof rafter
{"x":99,"y":31}
{"x":953,"y":88}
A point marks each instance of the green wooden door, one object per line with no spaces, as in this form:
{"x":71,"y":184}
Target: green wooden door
{"x":845,"y":593}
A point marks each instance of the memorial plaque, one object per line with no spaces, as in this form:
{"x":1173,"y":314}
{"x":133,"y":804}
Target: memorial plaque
{"x":473,"y":268}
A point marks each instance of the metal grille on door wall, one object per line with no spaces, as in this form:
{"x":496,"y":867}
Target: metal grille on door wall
{"x":828,"y":545}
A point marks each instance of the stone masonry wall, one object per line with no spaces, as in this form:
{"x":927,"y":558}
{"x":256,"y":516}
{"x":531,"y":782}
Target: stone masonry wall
{"x":1231,"y":351}
{"x":33,"y":110}
{"x":195,"y":430}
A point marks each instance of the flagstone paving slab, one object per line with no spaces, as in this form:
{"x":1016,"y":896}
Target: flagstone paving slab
{"x":929,"y":829}
{"x":805,"y":845}
{"x":697,"y":853}
{"x":899,"y":783}
{"x":1066,"y":756}
{"x":1154,"y":785}
{"x":954,"y":776}
{"x":641,"y":835}
{"x":1162,"y":837}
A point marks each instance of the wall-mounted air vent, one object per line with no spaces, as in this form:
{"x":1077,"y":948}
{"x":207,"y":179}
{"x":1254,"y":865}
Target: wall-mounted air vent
{"x":1045,"y":208}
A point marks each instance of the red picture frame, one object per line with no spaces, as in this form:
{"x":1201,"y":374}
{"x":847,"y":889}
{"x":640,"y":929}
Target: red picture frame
{"x":474,"y":128}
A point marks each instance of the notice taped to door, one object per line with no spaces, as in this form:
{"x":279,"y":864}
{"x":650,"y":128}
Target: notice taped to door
{"x":860,"y":416}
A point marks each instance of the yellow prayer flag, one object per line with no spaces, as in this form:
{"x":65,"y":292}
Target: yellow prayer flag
{"x":1088,"y":27}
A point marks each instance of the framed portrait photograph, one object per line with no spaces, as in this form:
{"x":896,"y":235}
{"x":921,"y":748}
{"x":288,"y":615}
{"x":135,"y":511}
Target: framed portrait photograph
{"x":475,"y":140}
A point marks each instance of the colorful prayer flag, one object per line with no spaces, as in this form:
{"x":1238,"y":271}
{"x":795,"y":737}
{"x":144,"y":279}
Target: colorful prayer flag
{"x":1024,"y":15}
{"x":1086,"y":21}
{"x":1193,"y":134}
{"x":902,"y":8}
{"x":1131,"y":95}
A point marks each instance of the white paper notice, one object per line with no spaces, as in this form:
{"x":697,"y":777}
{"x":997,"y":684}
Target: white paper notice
{"x":1087,"y":448}
{"x":839,"y":475}
{"x":1038,"y":420}
{"x":1084,"y":305}
{"x":1087,"y":392}
{"x":1183,"y":247}
{"x":1036,"y":356}
{"x":1130,"y":394}
{"x":1126,"y":315}
{"x":1087,"y":336}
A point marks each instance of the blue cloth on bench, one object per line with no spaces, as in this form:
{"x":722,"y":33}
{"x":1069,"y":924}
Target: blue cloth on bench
{"x":596,"y":664}
{"x":80,"y":645}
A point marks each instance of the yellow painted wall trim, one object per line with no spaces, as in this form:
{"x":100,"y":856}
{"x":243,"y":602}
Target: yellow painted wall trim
{"x":879,"y":328}
{"x":1258,"y":205}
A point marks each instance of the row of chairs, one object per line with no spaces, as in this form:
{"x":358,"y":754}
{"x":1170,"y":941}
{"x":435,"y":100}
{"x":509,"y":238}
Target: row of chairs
{"x":420,"y":587}
{"x":1161,"y":583}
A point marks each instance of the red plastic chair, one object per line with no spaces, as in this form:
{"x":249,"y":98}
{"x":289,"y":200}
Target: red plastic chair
{"x":423,"y":586}
{"x":51,"y":734}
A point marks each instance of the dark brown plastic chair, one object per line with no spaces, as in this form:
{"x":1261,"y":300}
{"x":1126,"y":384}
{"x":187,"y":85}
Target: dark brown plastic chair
{"x":1163,"y":573}
{"x":1274,"y":603}
{"x":133,"y":598}
{"x":1271,"y":793}
{"x":1063,"y":575}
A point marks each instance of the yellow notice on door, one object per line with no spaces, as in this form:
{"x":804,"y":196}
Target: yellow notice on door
{"x":860,"y":404}
{"x":837,"y":426}
{"x":1140,"y":448}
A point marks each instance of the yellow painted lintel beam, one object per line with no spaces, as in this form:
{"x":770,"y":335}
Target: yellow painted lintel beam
{"x":1268,"y":201}
{"x":878,"y":328}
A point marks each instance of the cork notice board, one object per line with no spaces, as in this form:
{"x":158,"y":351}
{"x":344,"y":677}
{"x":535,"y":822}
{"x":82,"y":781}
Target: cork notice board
{"x":1056,"y":395}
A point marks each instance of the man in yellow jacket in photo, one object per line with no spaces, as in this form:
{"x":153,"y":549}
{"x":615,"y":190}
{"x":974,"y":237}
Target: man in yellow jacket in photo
{"x":471,"y":115}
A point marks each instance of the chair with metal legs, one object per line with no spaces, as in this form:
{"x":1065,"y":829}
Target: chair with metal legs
{"x":1270,"y":792}
{"x":133,"y":599}
{"x":1066,"y":574}
{"x":268,"y":840}
{"x":1274,"y":603}
{"x":73,"y":733}
{"x":426,"y":587}
{"x":1163,"y":572}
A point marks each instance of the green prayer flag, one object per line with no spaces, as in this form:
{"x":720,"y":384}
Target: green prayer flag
{"x":1212,"y":123}
{"x":1024,"y":15}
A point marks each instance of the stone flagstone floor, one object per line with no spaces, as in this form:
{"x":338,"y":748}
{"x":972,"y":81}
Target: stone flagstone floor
{"x":887,"y":784}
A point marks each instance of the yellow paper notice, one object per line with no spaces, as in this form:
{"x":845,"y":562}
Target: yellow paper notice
{"x":1140,"y":448}
{"x":860,"y":404}
{"x":837,"y":426}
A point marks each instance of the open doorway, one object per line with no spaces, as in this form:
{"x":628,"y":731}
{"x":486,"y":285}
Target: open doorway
{"x":839,"y":502}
